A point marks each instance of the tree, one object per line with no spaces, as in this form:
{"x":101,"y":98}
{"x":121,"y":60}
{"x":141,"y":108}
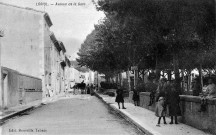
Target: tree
{"x":155,"y":34}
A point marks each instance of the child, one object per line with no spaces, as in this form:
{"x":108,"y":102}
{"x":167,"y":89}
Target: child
{"x":160,"y":110}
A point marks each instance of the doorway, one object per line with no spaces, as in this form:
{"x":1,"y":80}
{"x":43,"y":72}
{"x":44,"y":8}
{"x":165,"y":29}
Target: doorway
{"x":5,"y":89}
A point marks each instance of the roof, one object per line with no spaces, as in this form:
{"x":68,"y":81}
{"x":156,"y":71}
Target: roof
{"x":46,"y":16}
{"x":12,"y":70}
{"x":48,"y":20}
{"x":55,"y":41}
{"x":62,"y":46}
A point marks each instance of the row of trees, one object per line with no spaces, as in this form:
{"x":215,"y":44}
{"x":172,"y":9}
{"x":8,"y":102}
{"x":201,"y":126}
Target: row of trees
{"x":151,"y":34}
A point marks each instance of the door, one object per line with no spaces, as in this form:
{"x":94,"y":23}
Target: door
{"x":5,"y":89}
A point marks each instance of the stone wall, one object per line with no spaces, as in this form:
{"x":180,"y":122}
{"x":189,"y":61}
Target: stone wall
{"x":31,"y":96}
{"x":190,"y":106}
{"x":19,"y":88}
{"x":30,"y":89}
{"x":10,"y":89}
{"x":144,"y":100}
{"x":202,"y":120}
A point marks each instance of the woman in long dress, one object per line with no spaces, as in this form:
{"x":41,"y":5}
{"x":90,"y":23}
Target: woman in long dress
{"x":119,"y":98}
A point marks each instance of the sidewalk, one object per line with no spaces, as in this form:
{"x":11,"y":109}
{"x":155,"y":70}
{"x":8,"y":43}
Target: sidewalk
{"x":14,"y":111}
{"x":146,"y":120}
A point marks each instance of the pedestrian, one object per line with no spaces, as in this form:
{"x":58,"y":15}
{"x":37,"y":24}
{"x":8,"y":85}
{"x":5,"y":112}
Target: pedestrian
{"x":119,"y":98}
{"x":75,"y":88}
{"x":210,"y":93}
{"x":173,"y":101}
{"x":196,"y":87}
{"x":51,"y":93}
{"x":136,"y":97}
{"x":88,"y":89}
{"x":91,"y":90}
{"x":47,"y":90}
{"x":153,"y":87}
{"x":160,"y":111}
{"x":152,"y":97}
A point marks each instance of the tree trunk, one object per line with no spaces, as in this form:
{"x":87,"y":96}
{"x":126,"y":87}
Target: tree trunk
{"x":169,"y":75}
{"x":177,"y":74}
{"x":120,"y":79}
{"x":135,"y":78}
{"x":189,"y":81}
{"x":157,"y":72}
{"x":183,"y":80}
{"x":201,"y":76}
{"x":128,"y":77}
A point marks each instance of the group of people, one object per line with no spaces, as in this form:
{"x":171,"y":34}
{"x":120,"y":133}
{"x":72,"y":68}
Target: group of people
{"x":85,"y":89}
{"x":167,"y":98}
{"x":167,"y":101}
{"x":90,"y":89}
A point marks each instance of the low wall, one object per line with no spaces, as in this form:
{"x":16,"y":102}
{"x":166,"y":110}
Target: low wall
{"x":144,"y":100}
{"x":19,"y":88}
{"x":32,"y":96}
{"x":190,"y":106}
{"x":131,"y":96}
{"x":10,"y":95}
{"x":202,"y":120}
{"x":30,"y":88}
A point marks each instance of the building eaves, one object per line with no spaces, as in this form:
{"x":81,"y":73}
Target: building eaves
{"x":46,"y":16}
{"x":48,"y":20}
{"x":55,"y":41}
{"x":62,"y":46}
{"x":25,"y":8}
{"x":67,"y":61}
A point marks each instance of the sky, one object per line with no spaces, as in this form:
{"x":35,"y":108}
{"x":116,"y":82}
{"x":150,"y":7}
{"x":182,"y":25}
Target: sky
{"x":72,"y":20}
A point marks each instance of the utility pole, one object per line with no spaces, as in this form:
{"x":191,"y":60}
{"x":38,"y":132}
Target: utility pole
{"x":1,"y":93}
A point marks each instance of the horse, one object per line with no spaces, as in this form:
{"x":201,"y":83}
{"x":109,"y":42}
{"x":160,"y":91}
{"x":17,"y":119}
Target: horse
{"x":80,"y":86}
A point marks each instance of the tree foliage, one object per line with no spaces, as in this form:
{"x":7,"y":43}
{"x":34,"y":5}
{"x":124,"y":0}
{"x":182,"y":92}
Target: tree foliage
{"x":162,"y":34}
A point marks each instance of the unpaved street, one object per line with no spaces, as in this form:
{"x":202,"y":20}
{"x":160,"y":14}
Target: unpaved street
{"x":72,"y":115}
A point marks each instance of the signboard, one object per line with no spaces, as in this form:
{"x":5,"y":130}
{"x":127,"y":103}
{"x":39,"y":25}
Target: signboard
{"x":134,"y":68}
{"x":1,"y":33}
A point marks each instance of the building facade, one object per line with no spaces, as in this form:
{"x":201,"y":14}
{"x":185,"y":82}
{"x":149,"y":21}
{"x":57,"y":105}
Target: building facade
{"x":1,"y":93}
{"x":27,"y":46}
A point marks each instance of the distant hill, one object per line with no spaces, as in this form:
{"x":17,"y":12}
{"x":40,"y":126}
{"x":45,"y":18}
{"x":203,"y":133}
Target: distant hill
{"x":74,"y":63}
